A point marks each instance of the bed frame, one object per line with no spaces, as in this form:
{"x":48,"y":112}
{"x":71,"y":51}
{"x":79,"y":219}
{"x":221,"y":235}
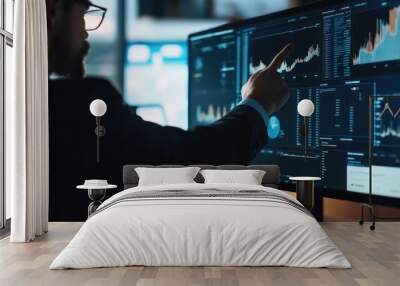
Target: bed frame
{"x":270,"y":179}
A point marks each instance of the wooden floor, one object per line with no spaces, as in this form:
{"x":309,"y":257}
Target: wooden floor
{"x":375,"y":257}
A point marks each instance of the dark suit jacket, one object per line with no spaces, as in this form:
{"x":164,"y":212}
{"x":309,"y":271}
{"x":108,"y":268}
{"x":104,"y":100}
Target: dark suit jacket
{"x":235,"y":139}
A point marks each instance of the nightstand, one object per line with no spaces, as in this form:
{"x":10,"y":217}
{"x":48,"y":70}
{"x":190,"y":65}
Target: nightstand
{"x":96,"y":192}
{"x":305,"y":193}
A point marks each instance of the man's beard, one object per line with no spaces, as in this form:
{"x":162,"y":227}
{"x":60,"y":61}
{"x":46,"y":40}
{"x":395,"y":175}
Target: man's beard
{"x":68,"y":63}
{"x":77,"y":65}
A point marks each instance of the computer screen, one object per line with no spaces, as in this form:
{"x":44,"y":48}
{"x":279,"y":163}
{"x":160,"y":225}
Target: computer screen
{"x":346,"y":60}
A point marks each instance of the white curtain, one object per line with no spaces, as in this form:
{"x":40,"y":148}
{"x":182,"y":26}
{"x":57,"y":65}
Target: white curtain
{"x":27,"y":124}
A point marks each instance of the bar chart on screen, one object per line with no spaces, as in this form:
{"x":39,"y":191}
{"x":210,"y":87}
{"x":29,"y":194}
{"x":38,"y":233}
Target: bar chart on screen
{"x":288,"y":67}
{"x":303,"y":64}
{"x":212,"y":113}
{"x":380,"y":37}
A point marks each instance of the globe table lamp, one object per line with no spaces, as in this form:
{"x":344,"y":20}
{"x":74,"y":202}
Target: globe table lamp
{"x":305,"y":108}
{"x":98,"y":108}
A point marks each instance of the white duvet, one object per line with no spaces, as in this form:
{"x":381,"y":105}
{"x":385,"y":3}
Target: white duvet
{"x":200,"y":231}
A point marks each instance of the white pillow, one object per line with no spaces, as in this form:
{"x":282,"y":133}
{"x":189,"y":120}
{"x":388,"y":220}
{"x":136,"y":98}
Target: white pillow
{"x":165,"y":176}
{"x":248,"y":177}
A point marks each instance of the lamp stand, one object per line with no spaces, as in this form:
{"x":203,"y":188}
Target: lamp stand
{"x":370,"y":206}
{"x":100,"y":131}
{"x":305,"y":137}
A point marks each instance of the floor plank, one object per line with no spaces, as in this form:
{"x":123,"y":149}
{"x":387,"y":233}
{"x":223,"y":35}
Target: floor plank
{"x":375,"y":257}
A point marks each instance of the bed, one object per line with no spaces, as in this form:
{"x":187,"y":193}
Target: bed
{"x":197,"y":224}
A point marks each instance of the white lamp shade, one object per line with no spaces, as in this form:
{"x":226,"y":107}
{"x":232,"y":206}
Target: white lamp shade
{"x":98,"y":107}
{"x":305,"y":107}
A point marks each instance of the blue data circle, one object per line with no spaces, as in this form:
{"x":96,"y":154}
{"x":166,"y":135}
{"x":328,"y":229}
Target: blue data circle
{"x":274,"y":127}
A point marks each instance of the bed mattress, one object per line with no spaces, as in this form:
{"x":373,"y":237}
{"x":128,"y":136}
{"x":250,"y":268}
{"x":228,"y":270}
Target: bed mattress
{"x":201,"y":225}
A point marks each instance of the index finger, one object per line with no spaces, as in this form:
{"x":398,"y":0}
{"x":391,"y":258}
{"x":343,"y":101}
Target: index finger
{"x":281,"y":56}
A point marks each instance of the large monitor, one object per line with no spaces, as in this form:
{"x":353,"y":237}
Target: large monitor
{"x":347,"y":55}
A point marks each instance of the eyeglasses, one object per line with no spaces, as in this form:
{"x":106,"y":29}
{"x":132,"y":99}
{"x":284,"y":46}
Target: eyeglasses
{"x":94,"y":17}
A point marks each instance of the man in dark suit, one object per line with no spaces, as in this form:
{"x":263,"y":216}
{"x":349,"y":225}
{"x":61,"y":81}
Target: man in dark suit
{"x":234,"y":139}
